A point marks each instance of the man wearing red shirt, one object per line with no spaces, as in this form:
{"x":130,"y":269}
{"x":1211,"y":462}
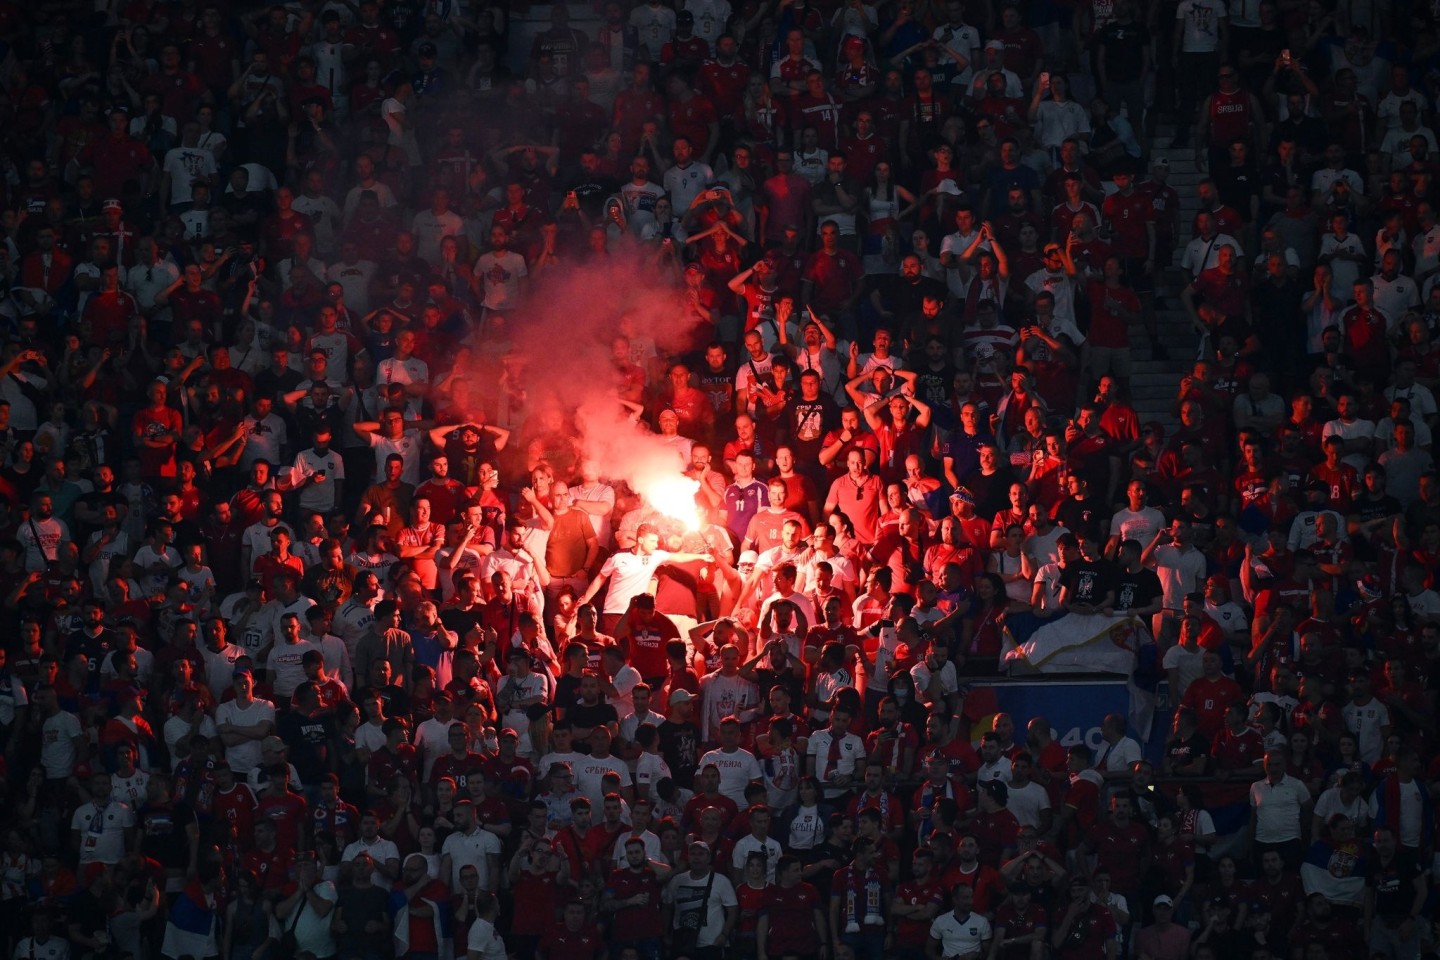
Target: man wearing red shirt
{"x":110,"y":311}
{"x":1120,"y":845}
{"x":575,"y":938}
{"x":693,"y":117}
{"x":1236,"y":751}
{"x":1020,"y":925}
{"x":179,"y":89}
{"x":233,"y":802}
{"x":118,"y":158}
{"x":1364,"y":328}
{"x":816,"y":108}
{"x":643,"y":634}
{"x":283,"y":809}
{"x":632,"y":898}
{"x":967,"y":871}
{"x":1211,"y":694}
{"x":157,"y":431}
{"x":792,"y":920}
{"x":723,"y":80}
{"x":267,"y":860}
{"x":1082,"y":797}
{"x":459,"y":764}
{"x":917,"y":902}
{"x":1086,"y":930}
{"x":636,"y":106}
{"x":423,"y":899}
{"x":830,"y":283}
{"x":864,"y":150}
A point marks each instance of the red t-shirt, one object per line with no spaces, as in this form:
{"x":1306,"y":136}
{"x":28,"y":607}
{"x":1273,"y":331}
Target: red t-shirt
{"x":835,"y":278}
{"x":152,"y":423}
{"x":646,"y":646}
{"x":639,"y":923}
{"x":1128,"y":216}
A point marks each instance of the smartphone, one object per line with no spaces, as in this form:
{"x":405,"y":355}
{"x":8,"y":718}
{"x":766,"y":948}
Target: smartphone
{"x":1045,"y":79}
{"x":1285,"y":55}
{"x":319,"y":473}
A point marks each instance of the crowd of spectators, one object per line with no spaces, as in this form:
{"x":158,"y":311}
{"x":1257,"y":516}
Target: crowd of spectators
{"x":325,"y":636}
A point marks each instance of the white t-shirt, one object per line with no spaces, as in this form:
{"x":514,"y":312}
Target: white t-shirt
{"x":1140,"y":525}
{"x":381,"y":851}
{"x":629,"y":575}
{"x":1367,"y":722}
{"x":1202,"y":24}
{"x":960,"y":938}
{"x":590,"y":775}
{"x":244,"y":757}
{"x":686,"y":894}
{"x":57,"y":744}
{"x":1028,"y":803}
{"x":501,"y":274}
{"x":102,"y":831}
{"x":485,"y":941}
{"x":474,"y":850}
{"x":737,"y":770}
{"x":1277,"y":809}
{"x":408,"y":447}
{"x":186,"y":165}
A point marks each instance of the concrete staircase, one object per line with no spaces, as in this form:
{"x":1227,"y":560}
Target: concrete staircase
{"x":1154,"y":382}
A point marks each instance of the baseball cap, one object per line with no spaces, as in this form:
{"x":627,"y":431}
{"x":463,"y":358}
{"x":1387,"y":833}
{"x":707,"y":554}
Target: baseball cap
{"x":1161,"y":163}
{"x":1163,"y":901}
{"x":427,"y":50}
{"x":1155,"y":427}
{"x":963,"y":495}
{"x":242,"y":672}
{"x":749,"y":556}
{"x":272,"y":743}
{"x":995,"y":45}
{"x":510,"y":733}
{"x":111,"y":204}
{"x":681,"y":696}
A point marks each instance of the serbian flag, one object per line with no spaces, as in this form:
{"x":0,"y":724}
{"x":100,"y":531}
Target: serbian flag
{"x":190,"y":927}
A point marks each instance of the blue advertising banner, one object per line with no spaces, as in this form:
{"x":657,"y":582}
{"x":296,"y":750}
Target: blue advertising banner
{"x":1074,"y":708}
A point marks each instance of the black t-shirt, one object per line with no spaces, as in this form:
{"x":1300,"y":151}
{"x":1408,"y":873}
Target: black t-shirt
{"x":1136,"y":590}
{"x":1087,"y":582}
{"x":807,"y":422}
{"x":933,"y":386}
{"x":1236,"y":186}
{"x":905,"y":296}
{"x":591,"y":192}
{"x":461,"y":621}
{"x":680,"y":746}
{"x":311,"y":740}
{"x":1183,"y":752}
{"x":591,"y":715}
{"x":1080,"y":517}
{"x":719,"y":388}
{"x":358,"y":906}
{"x":1124,"y":45}
{"x":164,"y":832}
{"x":1393,"y":884}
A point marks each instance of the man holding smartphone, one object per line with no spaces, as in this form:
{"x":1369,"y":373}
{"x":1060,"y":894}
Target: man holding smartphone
{"x":318,"y":473}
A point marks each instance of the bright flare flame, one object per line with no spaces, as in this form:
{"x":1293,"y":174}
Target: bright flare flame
{"x":674,"y":496}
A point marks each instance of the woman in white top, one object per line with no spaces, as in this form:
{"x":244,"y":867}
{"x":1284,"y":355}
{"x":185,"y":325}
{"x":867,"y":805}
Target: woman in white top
{"x":1013,"y":565}
{"x":1055,"y":116}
